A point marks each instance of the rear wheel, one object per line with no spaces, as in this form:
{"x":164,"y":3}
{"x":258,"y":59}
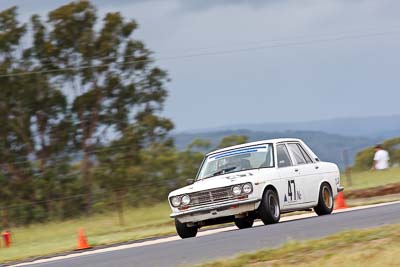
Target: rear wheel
{"x":325,"y":200}
{"x":269,"y":209}
{"x":243,"y":223}
{"x":184,"y":231}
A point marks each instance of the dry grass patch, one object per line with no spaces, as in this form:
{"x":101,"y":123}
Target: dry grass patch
{"x":365,"y":248}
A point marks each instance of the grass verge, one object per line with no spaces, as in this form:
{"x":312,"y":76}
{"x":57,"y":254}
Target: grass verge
{"x":373,"y":247}
{"x":54,"y":237}
{"x":367,"y":179}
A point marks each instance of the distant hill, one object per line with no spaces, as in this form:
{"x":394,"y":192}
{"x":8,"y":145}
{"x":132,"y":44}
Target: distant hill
{"x":372,"y":127}
{"x":328,"y":147}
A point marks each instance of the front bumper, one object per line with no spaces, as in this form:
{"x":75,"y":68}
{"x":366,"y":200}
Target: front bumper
{"x":340,"y":188}
{"x":216,"y":210}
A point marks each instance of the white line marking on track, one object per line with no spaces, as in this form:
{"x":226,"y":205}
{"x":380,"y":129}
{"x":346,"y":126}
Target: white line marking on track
{"x":203,"y":233}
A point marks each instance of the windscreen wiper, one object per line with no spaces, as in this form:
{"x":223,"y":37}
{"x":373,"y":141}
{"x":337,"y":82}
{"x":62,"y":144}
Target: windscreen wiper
{"x":221,"y":172}
{"x":224,"y":171}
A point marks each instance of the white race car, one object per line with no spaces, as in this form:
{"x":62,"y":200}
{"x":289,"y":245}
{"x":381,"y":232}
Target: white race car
{"x":258,"y":180}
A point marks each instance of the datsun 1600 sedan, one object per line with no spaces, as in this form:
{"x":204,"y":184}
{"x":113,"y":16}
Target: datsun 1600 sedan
{"x":258,"y":180}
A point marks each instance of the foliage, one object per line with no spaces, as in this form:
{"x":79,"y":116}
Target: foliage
{"x":364,"y":158}
{"x":34,"y":126}
{"x":117,"y":88}
{"x":80,"y":110}
{"x":189,"y":160}
{"x":393,"y":147}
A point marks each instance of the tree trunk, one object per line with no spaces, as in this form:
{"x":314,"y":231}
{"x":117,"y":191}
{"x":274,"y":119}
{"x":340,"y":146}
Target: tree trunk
{"x":5,"y":219}
{"x":120,"y":206}
{"x":87,"y":181}
{"x":89,"y":130}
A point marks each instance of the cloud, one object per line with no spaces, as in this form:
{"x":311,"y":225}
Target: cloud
{"x":192,"y":5}
{"x":208,"y":4}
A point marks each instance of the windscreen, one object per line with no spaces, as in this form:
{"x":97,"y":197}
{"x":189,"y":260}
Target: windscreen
{"x":237,"y":160}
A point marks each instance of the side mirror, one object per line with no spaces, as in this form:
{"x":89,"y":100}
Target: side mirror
{"x":189,"y":181}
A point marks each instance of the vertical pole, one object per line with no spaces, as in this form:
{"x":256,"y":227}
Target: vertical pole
{"x":345,"y":154}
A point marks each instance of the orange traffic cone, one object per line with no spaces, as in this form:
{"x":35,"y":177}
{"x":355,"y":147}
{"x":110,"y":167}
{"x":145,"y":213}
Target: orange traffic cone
{"x":340,"y":202}
{"x":82,"y":242}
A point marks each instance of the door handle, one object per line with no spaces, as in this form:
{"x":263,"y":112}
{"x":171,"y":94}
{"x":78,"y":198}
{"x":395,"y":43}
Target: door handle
{"x":296,"y":170}
{"x":316,"y":167}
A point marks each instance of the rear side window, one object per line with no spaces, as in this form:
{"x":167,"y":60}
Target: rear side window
{"x":306,"y":156}
{"x":283,"y":157}
{"x":297,"y":154}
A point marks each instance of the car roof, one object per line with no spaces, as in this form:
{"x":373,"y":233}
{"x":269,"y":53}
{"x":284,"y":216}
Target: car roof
{"x":273,"y":141}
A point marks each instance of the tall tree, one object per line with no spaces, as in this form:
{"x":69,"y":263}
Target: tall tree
{"x":11,"y":108}
{"x":132,"y":174}
{"x":34,"y":126}
{"x":108,"y":75}
{"x":190,"y":159}
{"x":83,"y":86}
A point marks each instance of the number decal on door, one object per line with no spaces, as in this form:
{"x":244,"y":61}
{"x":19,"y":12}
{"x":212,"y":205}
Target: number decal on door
{"x":292,"y":190}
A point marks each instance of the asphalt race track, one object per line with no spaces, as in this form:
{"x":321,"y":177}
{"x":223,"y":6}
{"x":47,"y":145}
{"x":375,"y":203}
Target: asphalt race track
{"x":229,"y":243}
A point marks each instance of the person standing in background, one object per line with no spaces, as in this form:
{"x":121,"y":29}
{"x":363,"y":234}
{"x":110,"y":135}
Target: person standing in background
{"x":381,"y":159}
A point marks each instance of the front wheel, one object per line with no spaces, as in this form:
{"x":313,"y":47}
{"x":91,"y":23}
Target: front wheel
{"x":243,"y":223}
{"x":269,"y":209}
{"x":184,"y":231}
{"x":325,"y":200}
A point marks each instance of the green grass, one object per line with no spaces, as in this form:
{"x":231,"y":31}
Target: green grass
{"x":365,"y":248}
{"x":50,"y":238}
{"x":53,"y":237}
{"x":366,"y":179}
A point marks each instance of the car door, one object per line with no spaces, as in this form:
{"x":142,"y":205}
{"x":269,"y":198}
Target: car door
{"x":291,"y":193}
{"x":308,"y":172}
{"x":314,"y":167}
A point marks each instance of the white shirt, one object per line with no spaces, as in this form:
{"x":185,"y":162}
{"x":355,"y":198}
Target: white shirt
{"x":382,"y":159}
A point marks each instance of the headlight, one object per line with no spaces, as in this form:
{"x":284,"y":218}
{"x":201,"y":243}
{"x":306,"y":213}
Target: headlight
{"x":185,"y":200}
{"x":237,"y":190}
{"x":247,"y":188}
{"x":176,"y":201}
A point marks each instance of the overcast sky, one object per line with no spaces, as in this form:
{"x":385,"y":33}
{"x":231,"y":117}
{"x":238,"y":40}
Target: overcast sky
{"x":238,"y":61}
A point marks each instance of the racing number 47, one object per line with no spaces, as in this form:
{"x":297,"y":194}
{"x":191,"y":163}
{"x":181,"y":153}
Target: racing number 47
{"x":291,"y":190}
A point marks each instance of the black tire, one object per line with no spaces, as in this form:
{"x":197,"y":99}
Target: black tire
{"x":325,"y":200}
{"x":269,"y":210}
{"x":243,"y":223}
{"x":184,"y":231}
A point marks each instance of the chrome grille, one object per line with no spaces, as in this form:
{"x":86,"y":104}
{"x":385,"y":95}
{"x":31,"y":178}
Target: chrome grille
{"x":211,"y":196}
